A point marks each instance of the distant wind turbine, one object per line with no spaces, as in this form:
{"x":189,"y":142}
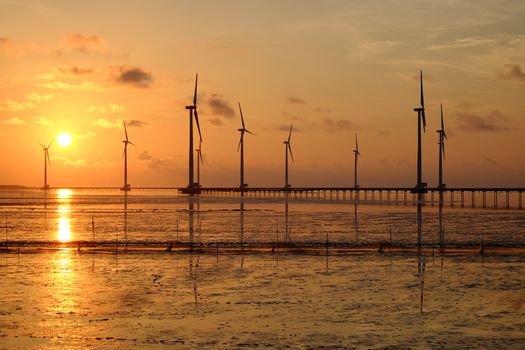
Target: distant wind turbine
{"x":241,"y":146}
{"x":126,"y":187}
{"x":199,"y":162}
{"x":441,"y":143}
{"x":356,"y":155}
{"x":420,"y":120}
{"x":47,"y":162}
{"x":193,"y":112}
{"x":287,"y":147}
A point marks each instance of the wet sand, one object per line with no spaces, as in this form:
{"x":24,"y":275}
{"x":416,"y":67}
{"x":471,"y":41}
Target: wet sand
{"x":70,"y":299}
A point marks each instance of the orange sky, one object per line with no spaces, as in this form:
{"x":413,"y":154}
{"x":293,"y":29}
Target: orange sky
{"x":332,"y":68}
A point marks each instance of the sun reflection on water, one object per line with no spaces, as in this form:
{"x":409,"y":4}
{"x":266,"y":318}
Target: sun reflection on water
{"x":64,"y":215}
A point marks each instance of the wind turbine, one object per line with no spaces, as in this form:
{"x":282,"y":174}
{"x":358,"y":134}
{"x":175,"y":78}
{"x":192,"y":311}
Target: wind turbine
{"x":287,"y":147}
{"x":126,"y":187}
{"x":420,"y":120}
{"x":199,"y":162}
{"x":47,"y":162}
{"x":356,"y":155}
{"x":241,"y":147}
{"x":441,"y":143}
{"x":193,"y":111}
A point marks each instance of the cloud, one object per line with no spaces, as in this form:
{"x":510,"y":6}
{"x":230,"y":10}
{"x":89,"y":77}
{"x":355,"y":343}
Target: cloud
{"x":13,"y":106}
{"x":215,"y":121}
{"x":463,"y":43}
{"x":286,"y":127}
{"x":12,"y":48}
{"x":13,"y":121}
{"x":110,"y":109}
{"x":85,"y":86}
{"x":377,"y":45}
{"x":333,"y":125}
{"x":156,"y":163}
{"x":35,"y":97}
{"x":295,"y":100}
{"x":107,"y":124}
{"x":136,"y":123}
{"x":514,"y":71}
{"x":220,"y":106}
{"x":43,"y":121}
{"x":87,"y":135}
{"x":493,"y":122}
{"x":322,"y":110}
{"x":73,"y":70}
{"x":134,"y":76}
{"x":76,"y":163}
{"x":84,"y":43}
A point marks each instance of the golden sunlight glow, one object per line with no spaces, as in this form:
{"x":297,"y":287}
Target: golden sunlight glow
{"x":64,"y":229}
{"x":64,"y":193}
{"x":64,"y":139}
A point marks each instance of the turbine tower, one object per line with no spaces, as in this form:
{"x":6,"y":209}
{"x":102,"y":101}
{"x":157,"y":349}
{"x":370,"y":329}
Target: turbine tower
{"x":356,"y":156}
{"x":287,"y":147}
{"x":241,"y":147}
{"x":199,"y":162}
{"x":126,"y":187}
{"x":193,"y":112}
{"x":420,"y":120}
{"x":46,"y":163}
{"x":441,"y":143}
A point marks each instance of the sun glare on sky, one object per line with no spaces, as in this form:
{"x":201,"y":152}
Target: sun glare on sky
{"x":64,"y":139}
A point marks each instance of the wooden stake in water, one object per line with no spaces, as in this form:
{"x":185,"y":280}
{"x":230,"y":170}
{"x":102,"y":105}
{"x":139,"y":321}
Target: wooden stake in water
{"x":93,"y":230}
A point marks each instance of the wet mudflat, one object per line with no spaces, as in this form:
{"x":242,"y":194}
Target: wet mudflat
{"x":70,"y":299}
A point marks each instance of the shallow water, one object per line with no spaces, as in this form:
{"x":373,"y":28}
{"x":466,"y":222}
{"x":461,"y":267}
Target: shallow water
{"x":151,"y":216}
{"x":70,"y":299}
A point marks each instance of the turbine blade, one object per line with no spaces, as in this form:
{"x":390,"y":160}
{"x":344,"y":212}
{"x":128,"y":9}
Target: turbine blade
{"x":200,"y":157}
{"x":290,"y":134}
{"x":424,"y":120}
{"x":242,"y":118}
{"x":443,"y":148}
{"x":47,"y":157}
{"x":240,"y":141}
{"x":44,"y":147}
{"x":195,"y":92}
{"x":291,"y":154}
{"x":198,"y":126}
{"x":131,"y":143}
{"x":421,"y":86}
{"x":124,"y":150}
{"x":52,"y":140}
{"x":356,"y":144}
{"x":125,"y":130}
{"x":249,"y":132}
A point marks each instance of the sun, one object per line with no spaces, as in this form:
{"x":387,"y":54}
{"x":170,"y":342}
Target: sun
{"x":64,"y":139}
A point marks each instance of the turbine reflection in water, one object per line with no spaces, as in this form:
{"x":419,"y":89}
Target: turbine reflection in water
{"x":64,"y":215}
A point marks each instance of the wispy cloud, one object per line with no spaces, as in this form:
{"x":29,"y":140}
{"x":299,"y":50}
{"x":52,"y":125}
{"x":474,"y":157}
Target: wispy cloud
{"x":133,"y":76}
{"x":73,"y":70}
{"x":13,"y":121}
{"x":84,"y":43}
{"x":86,"y":135}
{"x":515,"y":72}
{"x":110,"y":109}
{"x":322,"y":110}
{"x":11,"y":48}
{"x":464,"y":43}
{"x":156,"y":163}
{"x":220,"y":106}
{"x":85,"y":86}
{"x":295,"y":100}
{"x":75,"y":163}
{"x":136,"y":123}
{"x":493,"y":122}
{"x":43,"y":121}
{"x":13,"y":106}
{"x":286,"y":127}
{"x":107,"y":124}
{"x":35,"y":97}
{"x":334,"y":125}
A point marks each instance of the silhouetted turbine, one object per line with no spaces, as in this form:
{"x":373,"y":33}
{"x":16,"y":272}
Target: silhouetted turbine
{"x":356,"y":155}
{"x":287,"y":147}
{"x":442,"y":137}
{"x":47,"y":162}
{"x":420,"y":119}
{"x":193,"y":111}
{"x":241,"y":146}
{"x":126,"y":186}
